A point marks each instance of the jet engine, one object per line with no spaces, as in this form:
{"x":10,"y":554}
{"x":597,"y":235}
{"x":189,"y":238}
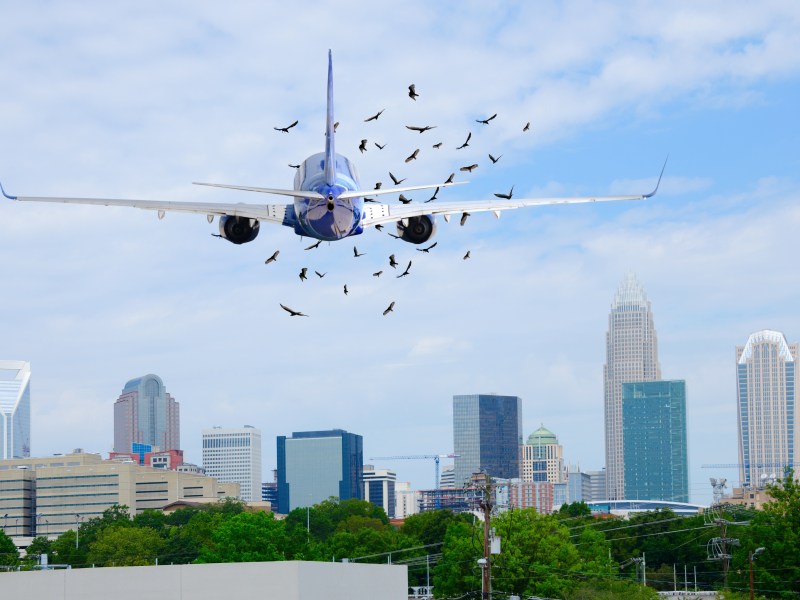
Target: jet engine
{"x":416,"y":230}
{"x":238,"y":230}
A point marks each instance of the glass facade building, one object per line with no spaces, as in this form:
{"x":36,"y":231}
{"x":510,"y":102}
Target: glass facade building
{"x":146,"y":414}
{"x":15,"y":409}
{"x":631,"y":355}
{"x":766,"y":379}
{"x":487,"y":434}
{"x":655,"y":448}
{"x":315,"y":465}
{"x":233,"y":455}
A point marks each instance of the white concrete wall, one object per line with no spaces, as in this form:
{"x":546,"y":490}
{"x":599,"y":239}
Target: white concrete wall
{"x":292,"y":580}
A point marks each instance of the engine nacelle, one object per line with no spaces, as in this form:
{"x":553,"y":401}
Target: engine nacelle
{"x":238,"y":230}
{"x":416,"y":230}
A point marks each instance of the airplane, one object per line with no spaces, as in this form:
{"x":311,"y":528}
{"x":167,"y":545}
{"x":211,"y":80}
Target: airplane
{"x":328,"y":201}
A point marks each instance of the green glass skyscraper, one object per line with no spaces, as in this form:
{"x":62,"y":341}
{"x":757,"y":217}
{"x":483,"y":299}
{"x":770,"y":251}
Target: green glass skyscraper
{"x":654,"y":446}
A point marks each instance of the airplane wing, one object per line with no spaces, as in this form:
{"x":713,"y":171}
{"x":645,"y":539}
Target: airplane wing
{"x":282,"y":214}
{"x":379,"y":214}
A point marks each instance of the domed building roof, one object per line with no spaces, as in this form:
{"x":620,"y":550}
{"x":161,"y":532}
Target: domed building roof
{"x":541,"y":437}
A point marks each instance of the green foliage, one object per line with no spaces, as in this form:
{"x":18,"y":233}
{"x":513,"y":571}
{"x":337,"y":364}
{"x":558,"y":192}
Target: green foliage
{"x":245,"y":537}
{"x":38,"y":546}
{"x":155,"y":519}
{"x":64,"y":551}
{"x":125,"y":546}
{"x":430,"y":527}
{"x":9,"y":555}
{"x":574,"y":510}
{"x":457,"y":572}
{"x":612,"y":590}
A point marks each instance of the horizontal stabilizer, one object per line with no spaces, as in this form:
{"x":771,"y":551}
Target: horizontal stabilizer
{"x":278,"y":192}
{"x":395,"y":190}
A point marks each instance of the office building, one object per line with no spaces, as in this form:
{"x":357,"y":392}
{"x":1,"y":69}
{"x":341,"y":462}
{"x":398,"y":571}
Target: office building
{"x":655,"y":450}
{"x":631,"y":355}
{"x":597,"y":486}
{"x":316,"y":465}
{"x":578,"y":485}
{"x":543,"y":458}
{"x":766,"y":380}
{"x":406,"y":500}
{"x":15,"y":409}
{"x":233,"y":454}
{"x":379,"y":488}
{"x":530,"y":494}
{"x":447,"y":479}
{"x":146,"y":414}
{"x":487,"y":434}
{"x":47,"y":496}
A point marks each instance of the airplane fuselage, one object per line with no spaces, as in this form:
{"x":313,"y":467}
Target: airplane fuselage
{"x":328,"y":218}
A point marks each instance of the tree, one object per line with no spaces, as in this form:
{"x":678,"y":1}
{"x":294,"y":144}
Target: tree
{"x":431,"y":526}
{"x":9,"y":555}
{"x":246,"y":537}
{"x":125,"y":546}
{"x":574,"y":510}
{"x":457,"y":572}
{"x":38,"y":546}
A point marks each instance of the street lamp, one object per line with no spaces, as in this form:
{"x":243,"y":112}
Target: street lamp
{"x":753,"y":555}
{"x":483,"y":562}
{"x":77,"y":529}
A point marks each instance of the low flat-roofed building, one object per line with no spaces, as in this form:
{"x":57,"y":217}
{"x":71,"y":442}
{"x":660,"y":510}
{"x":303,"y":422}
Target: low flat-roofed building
{"x":750,"y":497}
{"x":47,"y":496}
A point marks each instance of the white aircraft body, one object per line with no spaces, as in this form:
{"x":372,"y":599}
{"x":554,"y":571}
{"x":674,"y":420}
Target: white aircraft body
{"x":328,"y":201}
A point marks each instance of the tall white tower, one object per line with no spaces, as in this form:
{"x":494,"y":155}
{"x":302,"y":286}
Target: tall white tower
{"x":766,"y":380}
{"x":233,"y":454}
{"x":631,"y":355}
{"x":15,"y":409}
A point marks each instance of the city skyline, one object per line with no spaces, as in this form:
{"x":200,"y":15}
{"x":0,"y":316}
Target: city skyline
{"x":139,"y":102}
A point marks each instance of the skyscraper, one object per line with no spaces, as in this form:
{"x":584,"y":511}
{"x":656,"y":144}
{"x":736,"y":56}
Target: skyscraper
{"x":766,"y":379}
{"x":315,"y":465}
{"x":146,"y":414}
{"x":233,"y":455}
{"x":543,"y":458}
{"x":15,"y":409}
{"x":654,"y":421}
{"x":379,"y":488}
{"x":487,"y":434}
{"x":631,"y":355}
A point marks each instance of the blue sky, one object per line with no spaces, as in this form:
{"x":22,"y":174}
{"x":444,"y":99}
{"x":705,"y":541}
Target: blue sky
{"x":132,"y":100}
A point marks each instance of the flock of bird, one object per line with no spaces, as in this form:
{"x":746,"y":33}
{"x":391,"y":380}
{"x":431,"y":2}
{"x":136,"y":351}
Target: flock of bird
{"x":364,"y":147}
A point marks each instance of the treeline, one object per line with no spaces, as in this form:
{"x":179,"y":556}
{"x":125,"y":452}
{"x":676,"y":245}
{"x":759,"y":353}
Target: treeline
{"x":570,"y":554}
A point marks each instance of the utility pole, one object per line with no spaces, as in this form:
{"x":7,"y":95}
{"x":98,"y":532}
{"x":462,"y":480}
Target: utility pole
{"x":486,"y":505}
{"x":752,"y":557}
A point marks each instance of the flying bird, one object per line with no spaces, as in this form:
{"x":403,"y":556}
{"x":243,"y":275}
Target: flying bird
{"x":469,"y":168}
{"x":527,"y":126}
{"x":379,"y":227}
{"x":335,"y":126}
{"x":379,"y":146}
{"x":494,"y":160}
{"x":392,"y":261}
{"x":466,"y":142}
{"x":508,"y":195}
{"x":464,"y":218}
{"x":377,"y":274}
{"x":374,"y":117}
{"x":272,"y":258}
{"x":378,"y":185}
{"x":312,"y":246}
{"x":356,"y":253}
{"x":303,"y":272}
{"x":345,"y":290}
{"x":369,"y":199}
{"x":404,"y":200}
{"x":406,"y":272}
{"x":450,"y":179}
{"x":396,"y":180}
{"x":363,"y":146}
{"x":287,"y":128}
{"x":389,"y":309}
{"x":412,"y":92}
{"x":294,"y":166}
{"x":432,"y":198}
{"x":486,"y":121}
{"x":428,"y":249}
{"x":421,"y":129}
{"x":412,"y":156}
{"x":437,"y":145}
{"x":321,"y":275}
{"x":466,"y":256}
{"x":292,"y":313}
{"x":397,"y":237}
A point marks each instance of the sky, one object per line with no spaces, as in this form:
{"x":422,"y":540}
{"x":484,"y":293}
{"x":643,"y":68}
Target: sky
{"x":132,"y":100}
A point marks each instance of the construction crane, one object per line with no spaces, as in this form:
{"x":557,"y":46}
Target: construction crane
{"x":435,"y":457}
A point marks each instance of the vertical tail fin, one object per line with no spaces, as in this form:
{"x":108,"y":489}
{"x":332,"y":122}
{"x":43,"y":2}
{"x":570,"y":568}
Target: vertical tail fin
{"x":330,"y":153}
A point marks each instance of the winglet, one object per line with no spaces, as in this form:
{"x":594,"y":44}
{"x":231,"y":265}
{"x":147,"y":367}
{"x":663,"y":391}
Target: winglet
{"x":653,"y":193}
{"x":330,"y":153}
{"x":6,"y":195}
